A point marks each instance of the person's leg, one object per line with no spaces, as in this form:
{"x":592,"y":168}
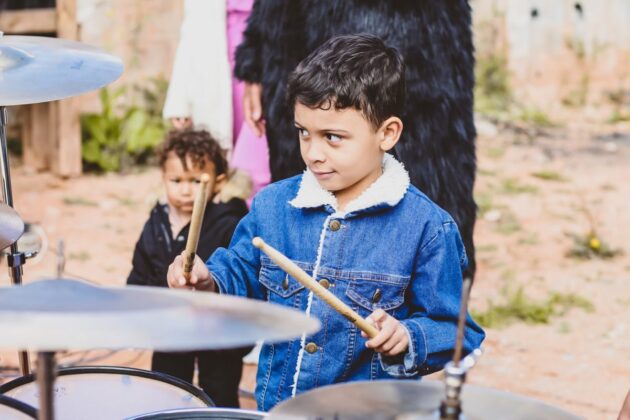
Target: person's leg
{"x":180,"y":365}
{"x":220,"y":375}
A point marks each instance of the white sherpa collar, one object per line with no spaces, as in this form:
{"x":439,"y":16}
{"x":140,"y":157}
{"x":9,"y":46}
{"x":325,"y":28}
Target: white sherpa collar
{"x":388,"y":189}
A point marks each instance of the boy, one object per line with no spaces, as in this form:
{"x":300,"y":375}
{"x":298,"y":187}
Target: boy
{"x":184,"y":157}
{"x":353,"y":222}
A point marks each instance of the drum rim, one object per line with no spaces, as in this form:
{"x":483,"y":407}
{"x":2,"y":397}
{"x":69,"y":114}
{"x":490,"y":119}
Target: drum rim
{"x":158,"y":414}
{"x":22,"y":407}
{"x":80,"y":370}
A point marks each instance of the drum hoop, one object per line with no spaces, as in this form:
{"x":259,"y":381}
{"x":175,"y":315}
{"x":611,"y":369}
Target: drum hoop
{"x":159,"y":415}
{"x":24,"y":408}
{"x":79,"y":370}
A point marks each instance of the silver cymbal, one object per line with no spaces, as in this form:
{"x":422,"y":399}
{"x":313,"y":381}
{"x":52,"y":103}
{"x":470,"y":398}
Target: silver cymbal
{"x":11,"y":226}
{"x":40,"y":69}
{"x":399,"y":399}
{"x":51,"y":315}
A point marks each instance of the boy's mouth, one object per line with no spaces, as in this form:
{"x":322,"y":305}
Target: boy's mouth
{"x":323,"y":174}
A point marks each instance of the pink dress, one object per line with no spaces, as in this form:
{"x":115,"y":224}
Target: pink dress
{"x":250,"y":152}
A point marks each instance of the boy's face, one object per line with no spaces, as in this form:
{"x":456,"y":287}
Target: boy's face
{"x":342,"y":148}
{"x":181,"y":184}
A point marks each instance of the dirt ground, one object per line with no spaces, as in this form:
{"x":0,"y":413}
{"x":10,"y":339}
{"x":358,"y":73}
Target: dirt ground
{"x":579,"y":361}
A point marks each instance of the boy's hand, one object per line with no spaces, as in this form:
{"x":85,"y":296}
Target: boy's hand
{"x":392,"y":338}
{"x":200,"y":278}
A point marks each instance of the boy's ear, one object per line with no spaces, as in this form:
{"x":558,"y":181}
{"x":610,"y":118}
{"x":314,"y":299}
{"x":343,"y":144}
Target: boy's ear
{"x":219,"y":183}
{"x":390,"y":132}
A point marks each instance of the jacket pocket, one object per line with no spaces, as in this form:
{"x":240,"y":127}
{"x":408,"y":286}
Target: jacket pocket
{"x":278,"y":282}
{"x":377,"y":291}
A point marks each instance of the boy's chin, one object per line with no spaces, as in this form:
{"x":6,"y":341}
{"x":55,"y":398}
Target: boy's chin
{"x":185,"y":210}
{"x":332,"y":186}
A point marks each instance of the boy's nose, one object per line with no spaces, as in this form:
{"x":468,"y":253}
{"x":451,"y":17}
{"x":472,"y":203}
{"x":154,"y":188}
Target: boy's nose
{"x":314,"y":152}
{"x":187,"y":188}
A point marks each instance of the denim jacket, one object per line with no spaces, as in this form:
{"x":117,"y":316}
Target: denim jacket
{"x":392,"y":248}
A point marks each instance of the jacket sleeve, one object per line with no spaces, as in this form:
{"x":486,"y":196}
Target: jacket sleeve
{"x":248,"y":66}
{"x":235,"y":269}
{"x":432,"y":325}
{"x":141,"y":264}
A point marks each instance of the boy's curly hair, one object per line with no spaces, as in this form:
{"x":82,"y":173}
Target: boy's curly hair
{"x":198,"y":145}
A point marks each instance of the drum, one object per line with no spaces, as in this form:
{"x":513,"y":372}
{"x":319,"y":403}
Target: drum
{"x":11,"y":409}
{"x":203,"y":413}
{"x":97,"y":392}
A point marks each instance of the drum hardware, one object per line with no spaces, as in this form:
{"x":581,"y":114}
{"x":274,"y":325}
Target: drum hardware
{"x":12,"y":409}
{"x":39,"y":69}
{"x":11,"y":226}
{"x":61,"y":257}
{"x":56,"y":314}
{"x":104,"y":392}
{"x":203,"y":413}
{"x":454,"y":371}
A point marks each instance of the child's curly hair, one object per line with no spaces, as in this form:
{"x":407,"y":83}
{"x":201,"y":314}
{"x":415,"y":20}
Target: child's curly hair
{"x":198,"y":145}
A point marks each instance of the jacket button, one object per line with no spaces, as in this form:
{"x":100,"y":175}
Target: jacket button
{"x":335,"y":225}
{"x":376,"y":297}
{"x":311,"y":348}
{"x":324,"y":283}
{"x":285,"y":282}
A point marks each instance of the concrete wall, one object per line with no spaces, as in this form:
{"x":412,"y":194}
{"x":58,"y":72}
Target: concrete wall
{"x":558,"y":50}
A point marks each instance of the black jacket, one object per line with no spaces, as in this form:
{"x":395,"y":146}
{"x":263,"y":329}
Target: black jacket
{"x":434,"y":37}
{"x":156,"y":249}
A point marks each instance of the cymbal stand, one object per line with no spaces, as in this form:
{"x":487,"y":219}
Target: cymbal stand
{"x":454,"y":379}
{"x":455,"y":370}
{"x":15,"y":258}
{"x":45,"y":376}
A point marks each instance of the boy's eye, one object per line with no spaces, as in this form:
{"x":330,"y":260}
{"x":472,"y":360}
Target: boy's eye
{"x":333,"y":138}
{"x":175,"y":180}
{"x":197,"y":181}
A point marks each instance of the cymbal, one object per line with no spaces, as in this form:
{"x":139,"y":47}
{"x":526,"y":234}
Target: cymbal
{"x":56,"y":314}
{"x":409,"y":399}
{"x":40,"y":69}
{"x":11,"y":225}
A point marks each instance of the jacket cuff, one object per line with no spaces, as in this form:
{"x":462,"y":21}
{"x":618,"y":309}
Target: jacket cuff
{"x":219,"y":286}
{"x":407,"y":365}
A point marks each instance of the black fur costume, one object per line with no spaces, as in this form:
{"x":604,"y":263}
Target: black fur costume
{"x":434,"y":36}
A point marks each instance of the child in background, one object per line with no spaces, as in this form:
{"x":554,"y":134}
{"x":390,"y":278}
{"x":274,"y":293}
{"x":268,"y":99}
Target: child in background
{"x":184,"y":157}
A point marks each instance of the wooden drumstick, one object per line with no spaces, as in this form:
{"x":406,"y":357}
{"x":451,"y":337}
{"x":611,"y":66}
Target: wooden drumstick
{"x":199,"y":208}
{"x":300,"y":275}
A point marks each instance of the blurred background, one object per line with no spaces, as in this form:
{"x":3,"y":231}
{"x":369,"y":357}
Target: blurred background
{"x":552,"y":112}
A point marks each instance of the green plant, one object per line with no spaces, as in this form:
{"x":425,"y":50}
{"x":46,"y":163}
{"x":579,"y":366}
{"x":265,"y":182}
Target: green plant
{"x":549,"y":176}
{"x":512,"y":186}
{"x":492,"y":90}
{"x":590,"y":245}
{"x":620,"y":99}
{"x":484,"y":203}
{"x":81,"y":256}
{"x":508,"y":223}
{"x":519,"y":307}
{"x":79,"y":201}
{"x":119,"y":136}
{"x":535,"y":117}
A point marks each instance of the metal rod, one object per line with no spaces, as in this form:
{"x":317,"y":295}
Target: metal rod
{"x":45,"y":375}
{"x":4,"y":163}
{"x":15,"y":258}
{"x":461,"y":322}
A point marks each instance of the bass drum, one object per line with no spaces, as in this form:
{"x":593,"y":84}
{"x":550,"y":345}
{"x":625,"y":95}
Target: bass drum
{"x":96,"y":392}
